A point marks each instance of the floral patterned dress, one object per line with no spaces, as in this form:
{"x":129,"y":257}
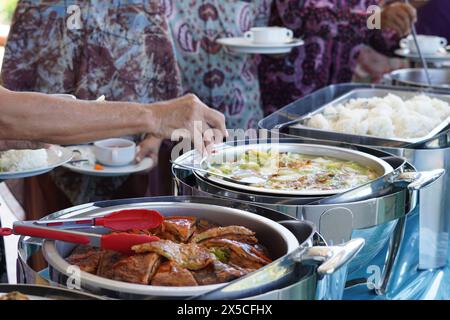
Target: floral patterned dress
{"x":334,"y":32}
{"x":224,"y":80}
{"x":122,"y":49}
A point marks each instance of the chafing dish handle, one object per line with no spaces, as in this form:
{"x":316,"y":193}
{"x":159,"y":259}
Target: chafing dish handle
{"x":280,"y":272}
{"x":418,"y":180}
{"x":331,"y":258}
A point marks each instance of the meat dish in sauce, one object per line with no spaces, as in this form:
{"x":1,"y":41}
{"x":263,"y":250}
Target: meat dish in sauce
{"x":190,"y":252}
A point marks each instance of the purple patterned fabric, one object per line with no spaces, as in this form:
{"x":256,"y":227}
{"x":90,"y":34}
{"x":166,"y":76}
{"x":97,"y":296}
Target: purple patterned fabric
{"x":123,"y":51}
{"x":333,"y":31}
{"x":224,"y":80}
{"x":434,"y":19}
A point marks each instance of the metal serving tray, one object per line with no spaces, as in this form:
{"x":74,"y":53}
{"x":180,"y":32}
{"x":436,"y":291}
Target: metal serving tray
{"x":226,"y":152}
{"x":433,"y":153}
{"x":300,"y":123}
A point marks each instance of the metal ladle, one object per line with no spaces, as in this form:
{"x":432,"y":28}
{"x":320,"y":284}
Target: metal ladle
{"x":248,"y":181}
{"x":419,"y":51}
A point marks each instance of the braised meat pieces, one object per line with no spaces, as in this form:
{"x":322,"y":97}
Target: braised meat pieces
{"x":191,"y":252}
{"x":238,"y":233}
{"x":187,"y":255}
{"x":15,"y":295}
{"x":181,"y":227}
{"x":138,"y":268}
{"x":173,"y":275}
{"x":86,"y":258}
{"x":238,"y":254}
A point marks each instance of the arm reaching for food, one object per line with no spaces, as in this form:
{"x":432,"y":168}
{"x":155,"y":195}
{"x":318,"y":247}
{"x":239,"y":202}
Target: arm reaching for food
{"x":40,"y":117}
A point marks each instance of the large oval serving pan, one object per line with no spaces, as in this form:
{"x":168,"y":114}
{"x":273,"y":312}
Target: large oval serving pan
{"x":277,"y":239}
{"x":380,"y":166}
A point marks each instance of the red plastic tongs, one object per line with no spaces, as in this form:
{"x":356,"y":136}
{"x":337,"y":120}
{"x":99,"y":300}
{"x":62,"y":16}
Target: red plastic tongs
{"x":133,"y":219}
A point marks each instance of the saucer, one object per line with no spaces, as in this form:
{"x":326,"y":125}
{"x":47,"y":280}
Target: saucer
{"x":441,"y":55}
{"x":88,"y":168}
{"x":243,"y":45}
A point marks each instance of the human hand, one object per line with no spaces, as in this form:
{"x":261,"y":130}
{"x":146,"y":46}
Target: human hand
{"x":188,"y":117}
{"x":398,"y":17}
{"x":149,"y":147}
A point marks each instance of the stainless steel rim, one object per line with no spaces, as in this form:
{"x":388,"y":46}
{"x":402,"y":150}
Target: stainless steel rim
{"x":298,"y":125}
{"x":57,"y":262}
{"x":401,"y":77}
{"x":381,"y":166}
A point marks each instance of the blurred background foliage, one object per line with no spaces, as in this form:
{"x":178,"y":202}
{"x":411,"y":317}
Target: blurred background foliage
{"x":6,"y":10}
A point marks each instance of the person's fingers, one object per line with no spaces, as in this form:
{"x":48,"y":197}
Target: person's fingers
{"x":218,"y":136}
{"x":212,"y":137}
{"x":149,"y":148}
{"x":395,"y":23}
{"x":411,"y":12}
{"x":198,"y":141}
{"x":402,"y":22}
{"x":409,"y":15}
{"x":216,"y":120}
{"x":400,"y":18}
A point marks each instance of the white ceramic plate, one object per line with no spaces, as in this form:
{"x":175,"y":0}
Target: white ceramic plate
{"x":244,"y":45}
{"x":442,"y":55}
{"x":57,"y":156}
{"x":88,"y":169}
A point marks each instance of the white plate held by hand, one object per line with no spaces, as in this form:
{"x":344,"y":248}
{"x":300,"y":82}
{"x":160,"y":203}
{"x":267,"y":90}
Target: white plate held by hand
{"x":88,"y":168}
{"x":56,"y":156}
{"x":243,"y":45}
{"x":440,"y":56}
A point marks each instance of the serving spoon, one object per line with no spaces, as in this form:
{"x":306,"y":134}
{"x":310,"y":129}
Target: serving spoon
{"x":124,"y":220}
{"x":419,"y":51}
{"x":247,"y":181}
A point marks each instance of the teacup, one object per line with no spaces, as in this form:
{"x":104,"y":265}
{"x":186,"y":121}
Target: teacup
{"x":269,"y":35}
{"x":427,"y":44}
{"x":115,"y":152}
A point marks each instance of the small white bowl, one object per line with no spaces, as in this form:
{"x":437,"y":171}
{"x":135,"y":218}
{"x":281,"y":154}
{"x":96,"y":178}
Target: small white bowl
{"x":115,"y":152}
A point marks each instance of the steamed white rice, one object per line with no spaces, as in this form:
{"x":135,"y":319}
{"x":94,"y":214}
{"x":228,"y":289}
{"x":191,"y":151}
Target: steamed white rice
{"x":23,"y":160}
{"x":388,"y":117}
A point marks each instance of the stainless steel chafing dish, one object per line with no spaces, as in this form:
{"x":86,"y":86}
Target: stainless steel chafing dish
{"x":440,"y":79}
{"x":370,"y":212}
{"x":426,"y":154}
{"x":225,"y":153}
{"x":302,"y":272}
{"x":298,"y":126}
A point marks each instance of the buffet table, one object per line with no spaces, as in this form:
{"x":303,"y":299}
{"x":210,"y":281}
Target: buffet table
{"x":400,"y":214}
{"x":409,"y":283}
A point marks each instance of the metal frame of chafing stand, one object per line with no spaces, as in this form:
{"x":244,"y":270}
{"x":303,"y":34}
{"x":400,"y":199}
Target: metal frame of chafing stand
{"x":184,"y":184}
{"x":434,"y":222}
{"x":432,"y":154}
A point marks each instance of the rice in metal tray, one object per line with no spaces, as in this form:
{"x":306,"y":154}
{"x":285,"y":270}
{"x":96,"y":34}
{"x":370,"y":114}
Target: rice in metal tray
{"x":385,"y":117}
